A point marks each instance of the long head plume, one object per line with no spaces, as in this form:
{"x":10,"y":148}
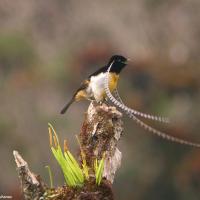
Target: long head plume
{"x":141,"y":114}
{"x":135,"y":112}
{"x":131,"y":113}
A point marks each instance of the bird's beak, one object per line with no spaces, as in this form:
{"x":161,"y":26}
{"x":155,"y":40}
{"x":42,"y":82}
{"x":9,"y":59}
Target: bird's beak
{"x":128,"y":59}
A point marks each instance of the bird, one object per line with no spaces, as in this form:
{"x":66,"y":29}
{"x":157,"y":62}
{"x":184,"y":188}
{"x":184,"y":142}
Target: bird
{"x":92,"y":88}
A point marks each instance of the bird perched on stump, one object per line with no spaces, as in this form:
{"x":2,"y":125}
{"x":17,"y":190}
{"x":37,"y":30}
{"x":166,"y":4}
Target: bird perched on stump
{"x":93,"y":87}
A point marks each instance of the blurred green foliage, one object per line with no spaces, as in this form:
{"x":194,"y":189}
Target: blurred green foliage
{"x":16,"y":53}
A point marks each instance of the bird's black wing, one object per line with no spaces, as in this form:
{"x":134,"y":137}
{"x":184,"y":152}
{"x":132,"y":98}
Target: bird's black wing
{"x":102,"y":69}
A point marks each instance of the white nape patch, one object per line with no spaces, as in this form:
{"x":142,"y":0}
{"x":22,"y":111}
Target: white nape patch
{"x":97,"y":86}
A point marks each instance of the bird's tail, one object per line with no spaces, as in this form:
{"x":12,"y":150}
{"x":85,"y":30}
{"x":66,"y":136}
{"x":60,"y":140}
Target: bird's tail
{"x":67,"y":106}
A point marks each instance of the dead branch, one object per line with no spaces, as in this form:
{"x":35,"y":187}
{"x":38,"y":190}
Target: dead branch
{"x":33,"y":188}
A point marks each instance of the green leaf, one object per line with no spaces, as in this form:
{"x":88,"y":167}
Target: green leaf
{"x":98,"y":169}
{"x":73,"y":174}
{"x":75,"y":169}
{"x":50,"y":175}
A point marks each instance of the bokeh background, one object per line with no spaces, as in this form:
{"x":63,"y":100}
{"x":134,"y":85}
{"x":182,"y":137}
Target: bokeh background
{"x":48,"y":47}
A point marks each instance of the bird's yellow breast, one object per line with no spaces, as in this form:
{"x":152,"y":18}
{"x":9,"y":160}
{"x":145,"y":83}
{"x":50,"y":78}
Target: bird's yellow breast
{"x":113,"y":79}
{"x":95,"y":89}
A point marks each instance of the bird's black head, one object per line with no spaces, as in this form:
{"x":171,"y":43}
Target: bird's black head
{"x":118,"y":59}
{"x":119,"y":62}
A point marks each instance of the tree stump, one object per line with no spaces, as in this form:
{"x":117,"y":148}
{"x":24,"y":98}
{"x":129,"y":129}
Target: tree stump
{"x":101,"y":130}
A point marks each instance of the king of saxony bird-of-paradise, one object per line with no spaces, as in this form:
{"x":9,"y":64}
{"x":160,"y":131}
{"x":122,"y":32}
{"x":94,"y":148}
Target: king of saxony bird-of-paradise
{"x":93,"y":87}
{"x":103,"y":82}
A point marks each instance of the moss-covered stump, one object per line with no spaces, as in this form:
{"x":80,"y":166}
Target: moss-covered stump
{"x":100,"y":133}
{"x":90,"y":191}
